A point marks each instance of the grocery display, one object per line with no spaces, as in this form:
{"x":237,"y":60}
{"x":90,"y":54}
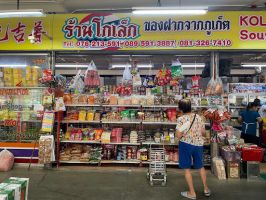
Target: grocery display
{"x":26,"y":95}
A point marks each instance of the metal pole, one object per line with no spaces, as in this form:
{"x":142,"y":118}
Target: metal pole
{"x":18,"y":4}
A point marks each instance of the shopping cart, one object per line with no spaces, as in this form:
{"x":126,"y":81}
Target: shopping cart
{"x":157,"y":166}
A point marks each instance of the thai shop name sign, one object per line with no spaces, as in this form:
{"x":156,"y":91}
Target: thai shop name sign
{"x":215,"y":30}
{"x":117,"y":31}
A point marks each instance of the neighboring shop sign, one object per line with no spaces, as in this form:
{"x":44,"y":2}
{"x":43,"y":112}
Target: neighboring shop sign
{"x":215,"y":30}
{"x":247,"y":87}
{"x":15,"y":33}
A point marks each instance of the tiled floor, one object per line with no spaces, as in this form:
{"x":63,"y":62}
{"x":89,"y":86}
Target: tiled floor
{"x":112,"y":183}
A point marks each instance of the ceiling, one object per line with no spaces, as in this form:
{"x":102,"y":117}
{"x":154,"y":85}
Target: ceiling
{"x":69,"y":6}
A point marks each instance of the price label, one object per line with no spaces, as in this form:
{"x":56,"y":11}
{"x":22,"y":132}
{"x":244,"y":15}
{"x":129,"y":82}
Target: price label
{"x":10,"y":123}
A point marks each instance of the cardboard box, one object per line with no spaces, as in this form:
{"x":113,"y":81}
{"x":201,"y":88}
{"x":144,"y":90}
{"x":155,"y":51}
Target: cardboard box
{"x":24,"y":184}
{"x":15,"y":187}
{"x":233,"y":169}
{"x":6,"y":194}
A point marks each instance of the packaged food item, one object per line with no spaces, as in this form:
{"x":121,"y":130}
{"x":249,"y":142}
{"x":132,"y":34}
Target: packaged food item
{"x":90,"y":116}
{"x":12,"y":187}
{"x":7,"y":194}
{"x":91,"y":100}
{"x":82,"y":99}
{"x":157,"y":100}
{"x":125,"y":115}
{"x":150,"y":100}
{"x":97,"y":116}
{"x":91,"y":78}
{"x":82,"y":115}
{"x":113,"y":100}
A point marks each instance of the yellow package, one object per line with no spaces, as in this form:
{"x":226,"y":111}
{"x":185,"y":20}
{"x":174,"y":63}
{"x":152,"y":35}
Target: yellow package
{"x":28,"y":70}
{"x":82,"y":115}
{"x":24,"y":82}
{"x":17,"y":82}
{"x":35,"y":83}
{"x":90,"y":116}
{"x":8,"y":79}
{"x":8,"y":70}
{"x":17,"y":71}
{"x":4,"y":114}
{"x":28,"y":77}
{"x":17,"y":76}
{"x":12,"y":115}
{"x":29,"y":83}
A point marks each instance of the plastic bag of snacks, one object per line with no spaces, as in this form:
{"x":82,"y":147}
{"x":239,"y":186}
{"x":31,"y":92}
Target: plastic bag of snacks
{"x":92,"y":77}
{"x":127,"y":77}
{"x":6,"y":160}
{"x":77,"y":82}
{"x":215,"y":87}
{"x":163,"y":77}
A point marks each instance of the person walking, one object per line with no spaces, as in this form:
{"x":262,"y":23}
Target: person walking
{"x":190,"y":130}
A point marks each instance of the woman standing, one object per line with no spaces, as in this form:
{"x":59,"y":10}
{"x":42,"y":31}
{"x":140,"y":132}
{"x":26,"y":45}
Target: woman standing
{"x":190,"y":129}
{"x":249,"y":119}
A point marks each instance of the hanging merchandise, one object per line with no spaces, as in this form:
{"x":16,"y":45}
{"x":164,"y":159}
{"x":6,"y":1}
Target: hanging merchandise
{"x":195,"y":82}
{"x":163,"y":76}
{"x":176,"y":72}
{"x":136,"y":79}
{"x":47,"y":76}
{"x":214,"y":87}
{"x":60,"y":81}
{"x":77,"y":83}
{"x":124,"y":90}
{"x":127,"y":77}
{"x":92,"y":78}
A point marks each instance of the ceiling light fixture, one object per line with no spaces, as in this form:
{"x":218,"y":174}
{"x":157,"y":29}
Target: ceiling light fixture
{"x":114,"y":66}
{"x":253,"y":64}
{"x":169,"y":10}
{"x":13,"y":66}
{"x":188,"y":65}
{"x":21,"y":13}
{"x":71,"y":66}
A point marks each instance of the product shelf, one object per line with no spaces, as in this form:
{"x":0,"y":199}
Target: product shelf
{"x":121,"y":161}
{"x":78,"y":162}
{"x":83,"y":105}
{"x":123,"y":143}
{"x":80,"y":142}
{"x":23,"y":87}
{"x":121,"y":122}
{"x":78,"y":122}
{"x":154,"y":143}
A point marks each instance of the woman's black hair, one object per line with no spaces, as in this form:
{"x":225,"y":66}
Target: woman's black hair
{"x":250,"y":105}
{"x":184,"y":105}
{"x":256,"y":102}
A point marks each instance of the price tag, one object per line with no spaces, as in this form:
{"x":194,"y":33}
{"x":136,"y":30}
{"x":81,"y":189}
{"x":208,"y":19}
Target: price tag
{"x":10,"y":123}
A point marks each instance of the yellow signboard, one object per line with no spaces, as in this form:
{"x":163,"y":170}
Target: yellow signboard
{"x":26,"y":33}
{"x":215,"y":30}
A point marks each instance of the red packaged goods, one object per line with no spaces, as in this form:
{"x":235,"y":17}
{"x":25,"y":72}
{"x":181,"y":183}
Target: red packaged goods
{"x":252,"y":153}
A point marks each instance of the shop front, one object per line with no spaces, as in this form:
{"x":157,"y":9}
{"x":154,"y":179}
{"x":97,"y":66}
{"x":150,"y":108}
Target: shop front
{"x":120,"y":78}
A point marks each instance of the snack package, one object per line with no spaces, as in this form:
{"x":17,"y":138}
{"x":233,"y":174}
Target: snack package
{"x":127,"y":77}
{"x":92,"y":77}
{"x":77,"y":83}
{"x":12,"y":187}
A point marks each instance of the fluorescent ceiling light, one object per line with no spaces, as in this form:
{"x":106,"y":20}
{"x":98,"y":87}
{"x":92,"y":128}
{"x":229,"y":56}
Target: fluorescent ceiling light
{"x":128,"y":65}
{"x":13,"y":66}
{"x":22,"y":13}
{"x":198,"y":65}
{"x":253,"y":64}
{"x":169,"y":11}
{"x":71,"y":66}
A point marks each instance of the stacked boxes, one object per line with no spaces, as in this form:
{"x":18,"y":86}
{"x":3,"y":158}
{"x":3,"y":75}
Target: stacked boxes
{"x":14,"y":189}
{"x":19,"y":77}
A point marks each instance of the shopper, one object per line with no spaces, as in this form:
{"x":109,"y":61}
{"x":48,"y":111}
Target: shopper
{"x":249,"y":119}
{"x":190,"y":130}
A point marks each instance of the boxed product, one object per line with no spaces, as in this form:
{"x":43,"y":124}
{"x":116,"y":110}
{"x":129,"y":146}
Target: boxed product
{"x":218,"y":168}
{"x":23,"y":183}
{"x":233,"y":169}
{"x":15,"y":187}
{"x":6,"y":194}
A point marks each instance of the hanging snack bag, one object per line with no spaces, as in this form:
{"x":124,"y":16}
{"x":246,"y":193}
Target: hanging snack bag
{"x":127,"y":77}
{"x":92,"y":78}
